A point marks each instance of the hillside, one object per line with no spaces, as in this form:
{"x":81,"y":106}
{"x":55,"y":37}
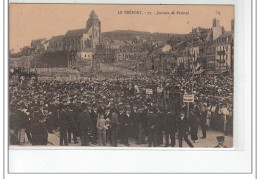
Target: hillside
{"x":131,"y":35}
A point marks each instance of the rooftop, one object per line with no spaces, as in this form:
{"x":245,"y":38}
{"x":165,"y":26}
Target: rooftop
{"x":88,"y":50}
{"x":76,"y":32}
{"x":93,"y":14}
{"x":59,"y":37}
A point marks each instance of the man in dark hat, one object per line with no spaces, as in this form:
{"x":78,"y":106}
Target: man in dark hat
{"x":183,"y":126}
{"x":114,"y":125}
{"x":221,"y":140}
{"x":54,"y":108}
{"x":160,"y":125}
{"x":94,"y":117}
{"x":101,"y":108}
{"x":64,"y":125}
{"x":38,"y":128}
{"x":107,"y":117}
{"x":13,"y":138}
{"x":121,"y":123}
{"x":194,"y":125}
{"x":203,"y":119}
{"x":23,"y":122}
{"x":151,"y":118}
{"x":72,"y":127}
{"x":126,"y":126}
{"x":141,"y":122}
{"x":134,"y":128}
{"x":49,"y":121}
{"x":170,"y":127}
{"x":85,"y":125}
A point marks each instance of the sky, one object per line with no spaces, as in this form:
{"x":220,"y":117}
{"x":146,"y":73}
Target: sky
{"x":28,"y":22}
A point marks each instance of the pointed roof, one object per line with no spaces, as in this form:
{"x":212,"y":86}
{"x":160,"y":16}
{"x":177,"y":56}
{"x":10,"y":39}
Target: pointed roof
{"x":92,"y":19}
{"x":76,"y":32}
{"x":93,"y":14}
{"x":56,"y":38}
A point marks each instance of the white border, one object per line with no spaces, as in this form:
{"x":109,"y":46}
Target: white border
{"x":153,"y":161}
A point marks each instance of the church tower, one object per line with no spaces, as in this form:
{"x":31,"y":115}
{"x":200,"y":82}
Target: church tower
{"x":93,"y":27}
{"x":217,"y":29}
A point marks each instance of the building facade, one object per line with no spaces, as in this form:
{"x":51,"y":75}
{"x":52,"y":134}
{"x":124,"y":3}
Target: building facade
{"x":224,"y":51}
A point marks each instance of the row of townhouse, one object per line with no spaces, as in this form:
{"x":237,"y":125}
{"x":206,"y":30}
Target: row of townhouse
{"x":214,"y":55}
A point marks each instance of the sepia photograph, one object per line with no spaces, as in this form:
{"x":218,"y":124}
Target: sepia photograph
{"x":108,"y":75}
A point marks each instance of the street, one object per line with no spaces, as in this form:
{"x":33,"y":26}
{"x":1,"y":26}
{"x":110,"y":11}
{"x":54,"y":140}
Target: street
{"x":209,"y":142}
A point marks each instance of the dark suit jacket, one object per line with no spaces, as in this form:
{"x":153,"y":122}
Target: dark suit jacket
{"x":194,"y":120}
{"x":170,"y":121}
{"x":39,"y":133}
{"x":71,"y":119}
{"x":23,"y":119}
{"x":84,"y":121}
{"x":133,"y":116}
{"x":183,"y":125}
{"x":151,"y":119}
{"x":125,"y":120}
{"x":114,"y":121}
{"x":64,"y":119}
{"x":93,"y":117}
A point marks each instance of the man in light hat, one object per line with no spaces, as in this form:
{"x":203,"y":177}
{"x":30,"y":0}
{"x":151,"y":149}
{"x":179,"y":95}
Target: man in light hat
{"x":221,"y":140}
{"x":223,"y":112}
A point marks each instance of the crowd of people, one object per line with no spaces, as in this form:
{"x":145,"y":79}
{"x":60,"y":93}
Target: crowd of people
{"x":110,"y":109}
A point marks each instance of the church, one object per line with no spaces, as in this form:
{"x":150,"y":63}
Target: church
{"x":79,"y":39}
